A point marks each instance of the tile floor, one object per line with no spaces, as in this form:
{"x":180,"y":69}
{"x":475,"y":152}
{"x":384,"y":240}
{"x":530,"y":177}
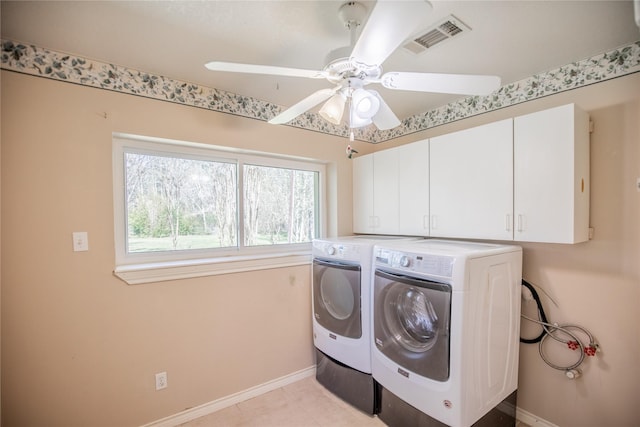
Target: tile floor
{"x":305,"y":403}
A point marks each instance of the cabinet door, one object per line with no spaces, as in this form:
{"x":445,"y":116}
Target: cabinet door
{"x":363,"y":194}
{"x":385,"y":191}
{"x":551,"y":176}
{"x":472,"y":183}
{"x":413,"y":188}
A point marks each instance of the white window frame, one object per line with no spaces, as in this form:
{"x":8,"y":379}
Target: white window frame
{"x":136,"y":268}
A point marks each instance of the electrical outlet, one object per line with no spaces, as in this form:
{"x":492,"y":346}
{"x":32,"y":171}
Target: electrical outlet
{"x":161,"y":380}
{"x":80,"y":241}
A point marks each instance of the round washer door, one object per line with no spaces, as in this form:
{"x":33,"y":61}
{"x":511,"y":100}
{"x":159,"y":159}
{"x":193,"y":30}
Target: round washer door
{"x":412,"y":318}
{"x":336,"y":297}
{"x":336,"y":293}
{"x":411,"y":323}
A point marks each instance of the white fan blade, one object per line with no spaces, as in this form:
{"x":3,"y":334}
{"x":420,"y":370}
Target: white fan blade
{"x":306,"y":104}
{"x":390,"y":24}
{"x":463,"y":84}
{"x":384,"y":118}
{"x":263,"y":69}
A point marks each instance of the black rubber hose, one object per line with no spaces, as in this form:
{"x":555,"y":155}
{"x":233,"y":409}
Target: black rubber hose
{"x":543,"y":316}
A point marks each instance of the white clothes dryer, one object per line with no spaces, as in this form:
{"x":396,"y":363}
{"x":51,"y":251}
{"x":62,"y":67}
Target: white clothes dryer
{"x":341,"y":297}
{"x":446,"y":322}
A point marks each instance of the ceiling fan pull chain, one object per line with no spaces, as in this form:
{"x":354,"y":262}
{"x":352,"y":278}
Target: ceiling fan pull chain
{"x":351,"y":137}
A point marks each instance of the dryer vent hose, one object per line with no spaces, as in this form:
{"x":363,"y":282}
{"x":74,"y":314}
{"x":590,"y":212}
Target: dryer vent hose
{"x":565,"y":334}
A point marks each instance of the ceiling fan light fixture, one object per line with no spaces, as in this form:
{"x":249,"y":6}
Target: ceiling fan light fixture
{"x":333,"y":109}
{"x":364,"y":104}
{"x":355,"y":121}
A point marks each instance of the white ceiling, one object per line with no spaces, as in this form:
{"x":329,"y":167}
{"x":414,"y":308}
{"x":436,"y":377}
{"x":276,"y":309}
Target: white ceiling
{"x":512,"y":39}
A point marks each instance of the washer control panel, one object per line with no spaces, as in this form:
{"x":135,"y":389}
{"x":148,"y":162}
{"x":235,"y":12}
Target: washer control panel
{"x":436,"y":265}
{"x":337,"y":250}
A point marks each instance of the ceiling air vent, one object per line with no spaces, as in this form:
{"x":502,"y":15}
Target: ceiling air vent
{"x":440,"y":32}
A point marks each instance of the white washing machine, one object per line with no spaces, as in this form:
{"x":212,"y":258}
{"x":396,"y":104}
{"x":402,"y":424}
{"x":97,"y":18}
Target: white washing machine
{"x":342,"y":275}
{"x":446,"y":322}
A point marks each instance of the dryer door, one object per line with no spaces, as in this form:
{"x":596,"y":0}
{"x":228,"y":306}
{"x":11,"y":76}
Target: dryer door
{"x":336,"y":297}
{"x":411,"y":323}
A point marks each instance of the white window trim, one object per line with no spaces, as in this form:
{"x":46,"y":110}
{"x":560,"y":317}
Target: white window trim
{"x":147,"y":268}
{"x":173,"y":270}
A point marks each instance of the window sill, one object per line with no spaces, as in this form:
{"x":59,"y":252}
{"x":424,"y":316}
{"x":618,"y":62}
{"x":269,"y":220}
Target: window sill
{"x":162,"y":271}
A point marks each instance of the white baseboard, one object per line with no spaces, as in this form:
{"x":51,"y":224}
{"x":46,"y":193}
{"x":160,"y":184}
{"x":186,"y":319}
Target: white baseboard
{"x":532,"y":420}
{"x":225,"y":402}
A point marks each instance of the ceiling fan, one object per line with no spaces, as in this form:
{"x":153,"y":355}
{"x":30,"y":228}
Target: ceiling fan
{"x":353,"y":67}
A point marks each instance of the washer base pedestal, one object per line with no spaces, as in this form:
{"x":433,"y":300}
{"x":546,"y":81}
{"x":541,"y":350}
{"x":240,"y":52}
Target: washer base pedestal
{"x":395,"y":412}
{"x":354,"y":387}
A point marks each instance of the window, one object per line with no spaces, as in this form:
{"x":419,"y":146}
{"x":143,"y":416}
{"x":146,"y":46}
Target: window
{"x":193,"y":204}
{"x":279,"y":205}
{"x":178,"y":204}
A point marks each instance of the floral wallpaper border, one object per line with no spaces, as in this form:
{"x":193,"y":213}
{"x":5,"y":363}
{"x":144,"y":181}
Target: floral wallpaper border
{"x":33,"y":60}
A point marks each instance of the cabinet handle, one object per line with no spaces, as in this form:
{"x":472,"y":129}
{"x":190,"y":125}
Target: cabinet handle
{"x":520,"y":222}
{"x":507,"y":222}
{"x":434,"y":222}
{"x":425,"y":222}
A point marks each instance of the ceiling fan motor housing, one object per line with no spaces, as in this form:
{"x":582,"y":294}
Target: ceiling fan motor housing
{"x":339,"y":66}
{"x":342,"y":69}
{"x":352,"y":14}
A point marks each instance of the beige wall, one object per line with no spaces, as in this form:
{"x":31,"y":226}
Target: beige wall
{"x":0,"y":259}
{"x":80,"y":347}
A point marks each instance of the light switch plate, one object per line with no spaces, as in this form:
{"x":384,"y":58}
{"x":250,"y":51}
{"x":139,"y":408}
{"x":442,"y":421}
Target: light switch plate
{"x":80,"y":241}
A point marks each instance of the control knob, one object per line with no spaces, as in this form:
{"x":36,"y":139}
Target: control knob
{"x":405,"y":261}
{"x":331,"y":250}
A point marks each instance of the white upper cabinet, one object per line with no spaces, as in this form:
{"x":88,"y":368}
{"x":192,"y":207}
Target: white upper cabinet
{"x":551,"y":176}
{"x":524,"y":179}
{"x":471,"y":183}
{"x":391,"y":191}
{"x":363,"y":218}
{"x":413,"y":188}
{"x":385,"y":192}
{"x":375,"y":193}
